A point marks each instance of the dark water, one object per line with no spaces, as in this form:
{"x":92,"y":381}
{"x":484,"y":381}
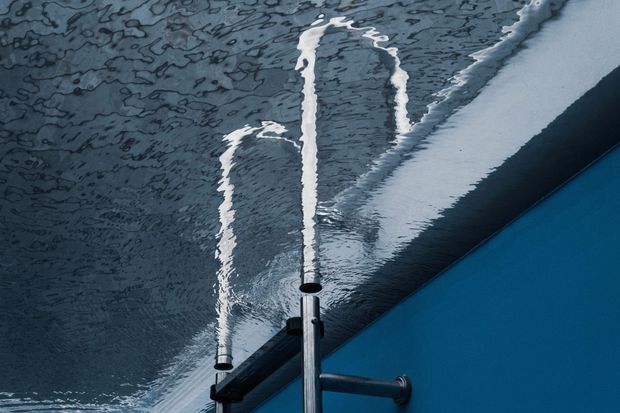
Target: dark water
{"x":112,"y":115}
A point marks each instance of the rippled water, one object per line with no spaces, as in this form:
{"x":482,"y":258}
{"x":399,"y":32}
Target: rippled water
{"x":146,"y":202}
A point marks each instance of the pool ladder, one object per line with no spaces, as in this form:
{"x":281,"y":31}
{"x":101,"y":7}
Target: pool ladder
{"x":301,"y":334}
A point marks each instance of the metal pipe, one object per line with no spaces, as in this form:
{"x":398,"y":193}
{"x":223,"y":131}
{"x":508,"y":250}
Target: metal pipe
{"x":223,"y":358}
{"x":222,"y":407}
{"x":311,"y":354}
{"x":311,"y":282}
{"x":398,"y":389}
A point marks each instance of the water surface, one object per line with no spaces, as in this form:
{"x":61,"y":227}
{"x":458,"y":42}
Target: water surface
{"x":133,"y":239}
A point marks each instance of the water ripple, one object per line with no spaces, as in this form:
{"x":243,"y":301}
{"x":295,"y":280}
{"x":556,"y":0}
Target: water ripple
{"x":112,"y":118}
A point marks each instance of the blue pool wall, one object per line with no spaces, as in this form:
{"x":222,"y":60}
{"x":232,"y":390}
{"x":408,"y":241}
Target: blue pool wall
{"x":527,"y":322}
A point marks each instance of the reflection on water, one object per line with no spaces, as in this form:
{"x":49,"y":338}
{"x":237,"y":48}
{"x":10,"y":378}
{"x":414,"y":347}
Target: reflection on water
{"x":309,"y":42}
{"x":126,"y":216}
{"x":226,"y":236}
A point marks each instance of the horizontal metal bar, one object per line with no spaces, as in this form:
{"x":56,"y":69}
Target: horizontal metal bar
{"x":398,"y":389}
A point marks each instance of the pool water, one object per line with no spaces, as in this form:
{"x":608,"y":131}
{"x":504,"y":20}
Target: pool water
{"x":156,"y":196}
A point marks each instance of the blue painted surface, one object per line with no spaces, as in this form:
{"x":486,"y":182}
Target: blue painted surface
{"x":527,"y":322}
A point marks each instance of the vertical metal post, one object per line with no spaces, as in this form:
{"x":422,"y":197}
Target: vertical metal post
{"x":311,"y":354}
{"x":221,"y":407}
{"x":223,"y":358}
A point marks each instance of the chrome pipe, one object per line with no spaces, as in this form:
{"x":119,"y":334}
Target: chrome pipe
{"x":223,"y":358}
{"x":311,"y":354}
{"x":310,"y":282}
{"x":398,"y":389}
{"x":222,"y":407}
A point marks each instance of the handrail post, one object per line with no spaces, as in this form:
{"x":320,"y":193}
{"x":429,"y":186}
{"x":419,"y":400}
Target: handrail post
{"x":222,"y":407}
{"x":311,"y":354}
